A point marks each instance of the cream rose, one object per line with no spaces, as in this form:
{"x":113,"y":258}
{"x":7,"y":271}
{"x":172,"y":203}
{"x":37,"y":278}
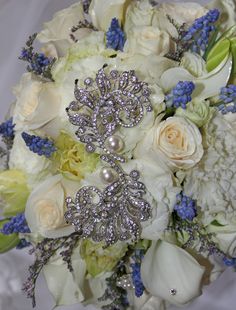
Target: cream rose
{"x":176,"y":141}
{"x":147,"y":40}
{"x":102,"y":12}
{"x":57,"y":31}
{"x":37,"y":103}
{"x":45,"y":208}
{"x":180,"y":141}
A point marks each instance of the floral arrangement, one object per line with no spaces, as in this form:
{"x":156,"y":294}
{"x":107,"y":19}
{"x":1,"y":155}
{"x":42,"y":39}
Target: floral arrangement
{"x":118,"y":168}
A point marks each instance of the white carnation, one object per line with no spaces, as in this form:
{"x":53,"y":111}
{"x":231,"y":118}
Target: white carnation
{"x":213,"y":181}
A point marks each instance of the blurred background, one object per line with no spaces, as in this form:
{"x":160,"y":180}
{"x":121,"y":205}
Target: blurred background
{"x":18,"y":20}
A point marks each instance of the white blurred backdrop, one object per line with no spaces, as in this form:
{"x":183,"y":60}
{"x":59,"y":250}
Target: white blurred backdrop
{"x":19,"y":19}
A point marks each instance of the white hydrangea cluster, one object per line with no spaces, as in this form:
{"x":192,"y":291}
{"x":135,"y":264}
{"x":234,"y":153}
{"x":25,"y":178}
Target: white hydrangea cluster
{"x":213,"y":181}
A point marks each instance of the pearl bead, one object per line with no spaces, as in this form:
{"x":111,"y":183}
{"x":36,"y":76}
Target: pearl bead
{"x":108,"y":175}
{"x":114,"y":144}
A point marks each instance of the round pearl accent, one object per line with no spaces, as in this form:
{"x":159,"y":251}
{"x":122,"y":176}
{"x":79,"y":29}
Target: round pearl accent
{"x":114,"y":144}
{"x":108,"y":175}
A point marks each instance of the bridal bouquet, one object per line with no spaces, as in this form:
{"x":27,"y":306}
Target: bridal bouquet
{"x":118,"y":168}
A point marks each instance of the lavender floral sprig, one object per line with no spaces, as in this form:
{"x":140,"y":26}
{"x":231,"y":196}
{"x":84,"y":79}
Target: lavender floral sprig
{"x":38,"y":63}
{"x":197,"y":37}
{"x":136,"y":272}
{"x":38,"y":145}
{"x":115,"y":36}
{"x":180,"y":95}
{"x":227,"y":99}
{"x":44,"y":251}
{"x":16,"y":224}
{"x":7,"y":132}
{"x":198,"y":234}
{"x":199,"y":33}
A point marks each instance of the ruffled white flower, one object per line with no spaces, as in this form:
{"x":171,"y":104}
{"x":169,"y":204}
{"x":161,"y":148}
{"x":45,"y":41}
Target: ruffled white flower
{"x":213,"y":181}
{"x":35,"y":167}
{"x":45,"y":207}
{"x":37,"y":103}
{"x":57,"y":31}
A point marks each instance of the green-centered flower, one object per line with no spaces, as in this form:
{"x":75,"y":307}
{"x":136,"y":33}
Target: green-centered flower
{"x":71,"y":158}
{"x":99,"y":259}
{"x":13,"y":191}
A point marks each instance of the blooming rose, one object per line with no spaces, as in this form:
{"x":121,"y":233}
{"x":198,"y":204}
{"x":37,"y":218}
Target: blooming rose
{"x":57,"y":31}
{"x":102,"y":12}
{"x":37,"y":103}
{"x":147,"y":40}
{"x":45,"y":208}
{"x":177,"y":141}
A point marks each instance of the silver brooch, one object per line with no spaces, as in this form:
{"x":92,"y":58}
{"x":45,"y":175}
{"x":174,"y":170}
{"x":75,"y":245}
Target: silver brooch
{"x":112,"y":214}
{"x":110,"y":101}
{"x":105,"y":104}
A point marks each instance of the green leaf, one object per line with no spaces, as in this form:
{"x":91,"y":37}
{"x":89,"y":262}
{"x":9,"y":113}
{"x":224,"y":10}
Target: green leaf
{"x":233,"y":51}
{"x":216,"y":223}
{"x":228,"y":34}
{"x":218,"y":53}
{"x":7,"y":242}
{"x":211,"y":43}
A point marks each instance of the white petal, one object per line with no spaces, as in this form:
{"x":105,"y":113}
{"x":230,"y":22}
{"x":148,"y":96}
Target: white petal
{"x":165,"y":267}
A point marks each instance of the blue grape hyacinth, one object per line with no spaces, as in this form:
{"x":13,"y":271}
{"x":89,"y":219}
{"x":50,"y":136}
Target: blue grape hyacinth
{"x":228,"y":99}
{"x":180,"y":95}
{"x":185,"y":207}
{"x":115,"y":36}
{"x":199,"y":33}
{"x":38,"y":145}
{"x":16,"y":224}
{"x":136,"y":273}
{"x":7,"y":129}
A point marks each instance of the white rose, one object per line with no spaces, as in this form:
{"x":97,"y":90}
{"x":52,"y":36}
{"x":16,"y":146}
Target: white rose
{"x":147,"y":40}
{"x":57,"y":31}
{"x":182,"y":12}
{"x":45,"y":208}
{"x":161,"y":269}
{"x":37,"y":103}
{"x":177,"y":141}
{"x":139,"y":13}
{"x":36,"y":167}
{"x":102,"y":12}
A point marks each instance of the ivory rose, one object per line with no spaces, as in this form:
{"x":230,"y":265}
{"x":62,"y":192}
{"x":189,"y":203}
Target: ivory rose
{"x":37,"y":103}
{"x":147,"y":40}
{"x":176,"y":141}
{"x":57,"y":31}
{"x":45,"y":208}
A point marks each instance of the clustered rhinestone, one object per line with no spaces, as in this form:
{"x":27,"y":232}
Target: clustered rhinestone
{"x":113,"y":214}
{"x":105,"y":104}
{"x":115,"y":100}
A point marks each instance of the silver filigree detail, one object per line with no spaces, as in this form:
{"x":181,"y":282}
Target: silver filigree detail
{"x":105,"y":104}
{"x":113,"y":214}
